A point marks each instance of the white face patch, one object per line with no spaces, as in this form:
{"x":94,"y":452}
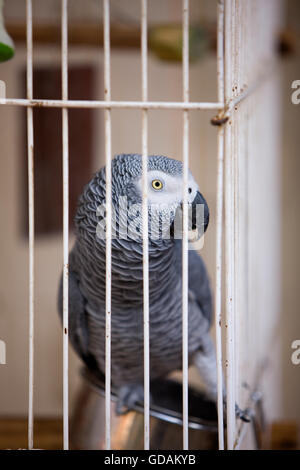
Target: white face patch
{"x":169,"y":190}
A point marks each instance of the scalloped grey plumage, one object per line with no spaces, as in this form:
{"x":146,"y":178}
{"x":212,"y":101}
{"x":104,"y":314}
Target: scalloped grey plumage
{"x":87,"y":289}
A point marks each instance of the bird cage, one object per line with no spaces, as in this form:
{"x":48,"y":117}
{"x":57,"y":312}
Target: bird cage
{"x":245,"y":120}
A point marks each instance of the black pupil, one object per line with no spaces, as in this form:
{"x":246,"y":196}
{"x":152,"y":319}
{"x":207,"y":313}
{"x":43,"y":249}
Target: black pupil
{"x":190,"y":190}
{"x":157,"y":184}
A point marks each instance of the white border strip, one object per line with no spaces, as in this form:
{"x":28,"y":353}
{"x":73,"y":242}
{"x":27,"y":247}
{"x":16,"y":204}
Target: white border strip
{"x":107,"y":95}
{"x":185,"y":267}
{"x":144,"y":52}
{"x":65,"y":144}
{"x":30,"y":143}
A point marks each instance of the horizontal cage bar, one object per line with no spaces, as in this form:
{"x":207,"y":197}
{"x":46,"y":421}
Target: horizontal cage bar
{"x":111,"y":104}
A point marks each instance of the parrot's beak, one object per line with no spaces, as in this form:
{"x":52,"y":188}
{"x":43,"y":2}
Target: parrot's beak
{"x":198,"y":222}
{"x":198,"y":202}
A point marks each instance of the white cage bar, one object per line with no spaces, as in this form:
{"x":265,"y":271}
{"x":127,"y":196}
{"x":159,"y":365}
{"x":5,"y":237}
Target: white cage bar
{"x":107,"y":94}
{"x":30,"y":144}
{"x":236,"y":63}
{"x":65,"y":143}
{"x":111,"y":104}
{"x":219,"y":224}
{"x":185,"y":266}
{"x":229,"y":239}
{"x":144,"y":53}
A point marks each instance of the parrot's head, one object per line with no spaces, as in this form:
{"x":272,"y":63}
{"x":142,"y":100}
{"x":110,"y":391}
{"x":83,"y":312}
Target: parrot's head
{"x":165,"y":202}
{"x":165,"y":198}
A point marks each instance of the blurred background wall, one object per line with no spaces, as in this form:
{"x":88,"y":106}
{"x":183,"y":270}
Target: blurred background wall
{"x":165,"y":83}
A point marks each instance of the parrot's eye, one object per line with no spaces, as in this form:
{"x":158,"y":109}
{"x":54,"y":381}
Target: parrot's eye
{"x":157,"y":184}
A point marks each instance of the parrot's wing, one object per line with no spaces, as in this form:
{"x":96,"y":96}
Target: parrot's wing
{"x":78,"y":327}
{"x":199,"y":285}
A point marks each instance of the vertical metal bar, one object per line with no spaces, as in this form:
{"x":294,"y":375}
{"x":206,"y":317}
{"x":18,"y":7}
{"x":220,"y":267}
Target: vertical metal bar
{"x":144,"y":52}
{"x":185,"y":72}
{"x":229,"y":232}
{"x":107,"y":97}
{"x":219,"y":228}
{"x":65,"y":145}
{"x":30,"y":144}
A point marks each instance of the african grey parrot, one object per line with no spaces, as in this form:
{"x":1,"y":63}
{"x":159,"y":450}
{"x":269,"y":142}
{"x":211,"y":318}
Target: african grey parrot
{"x":87,"y":280}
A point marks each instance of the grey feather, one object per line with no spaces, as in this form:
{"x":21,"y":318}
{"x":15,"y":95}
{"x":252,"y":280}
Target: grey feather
{"x":87,"y":286}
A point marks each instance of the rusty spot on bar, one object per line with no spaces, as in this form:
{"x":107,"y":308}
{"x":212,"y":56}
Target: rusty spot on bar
{"x":219,"y":120}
